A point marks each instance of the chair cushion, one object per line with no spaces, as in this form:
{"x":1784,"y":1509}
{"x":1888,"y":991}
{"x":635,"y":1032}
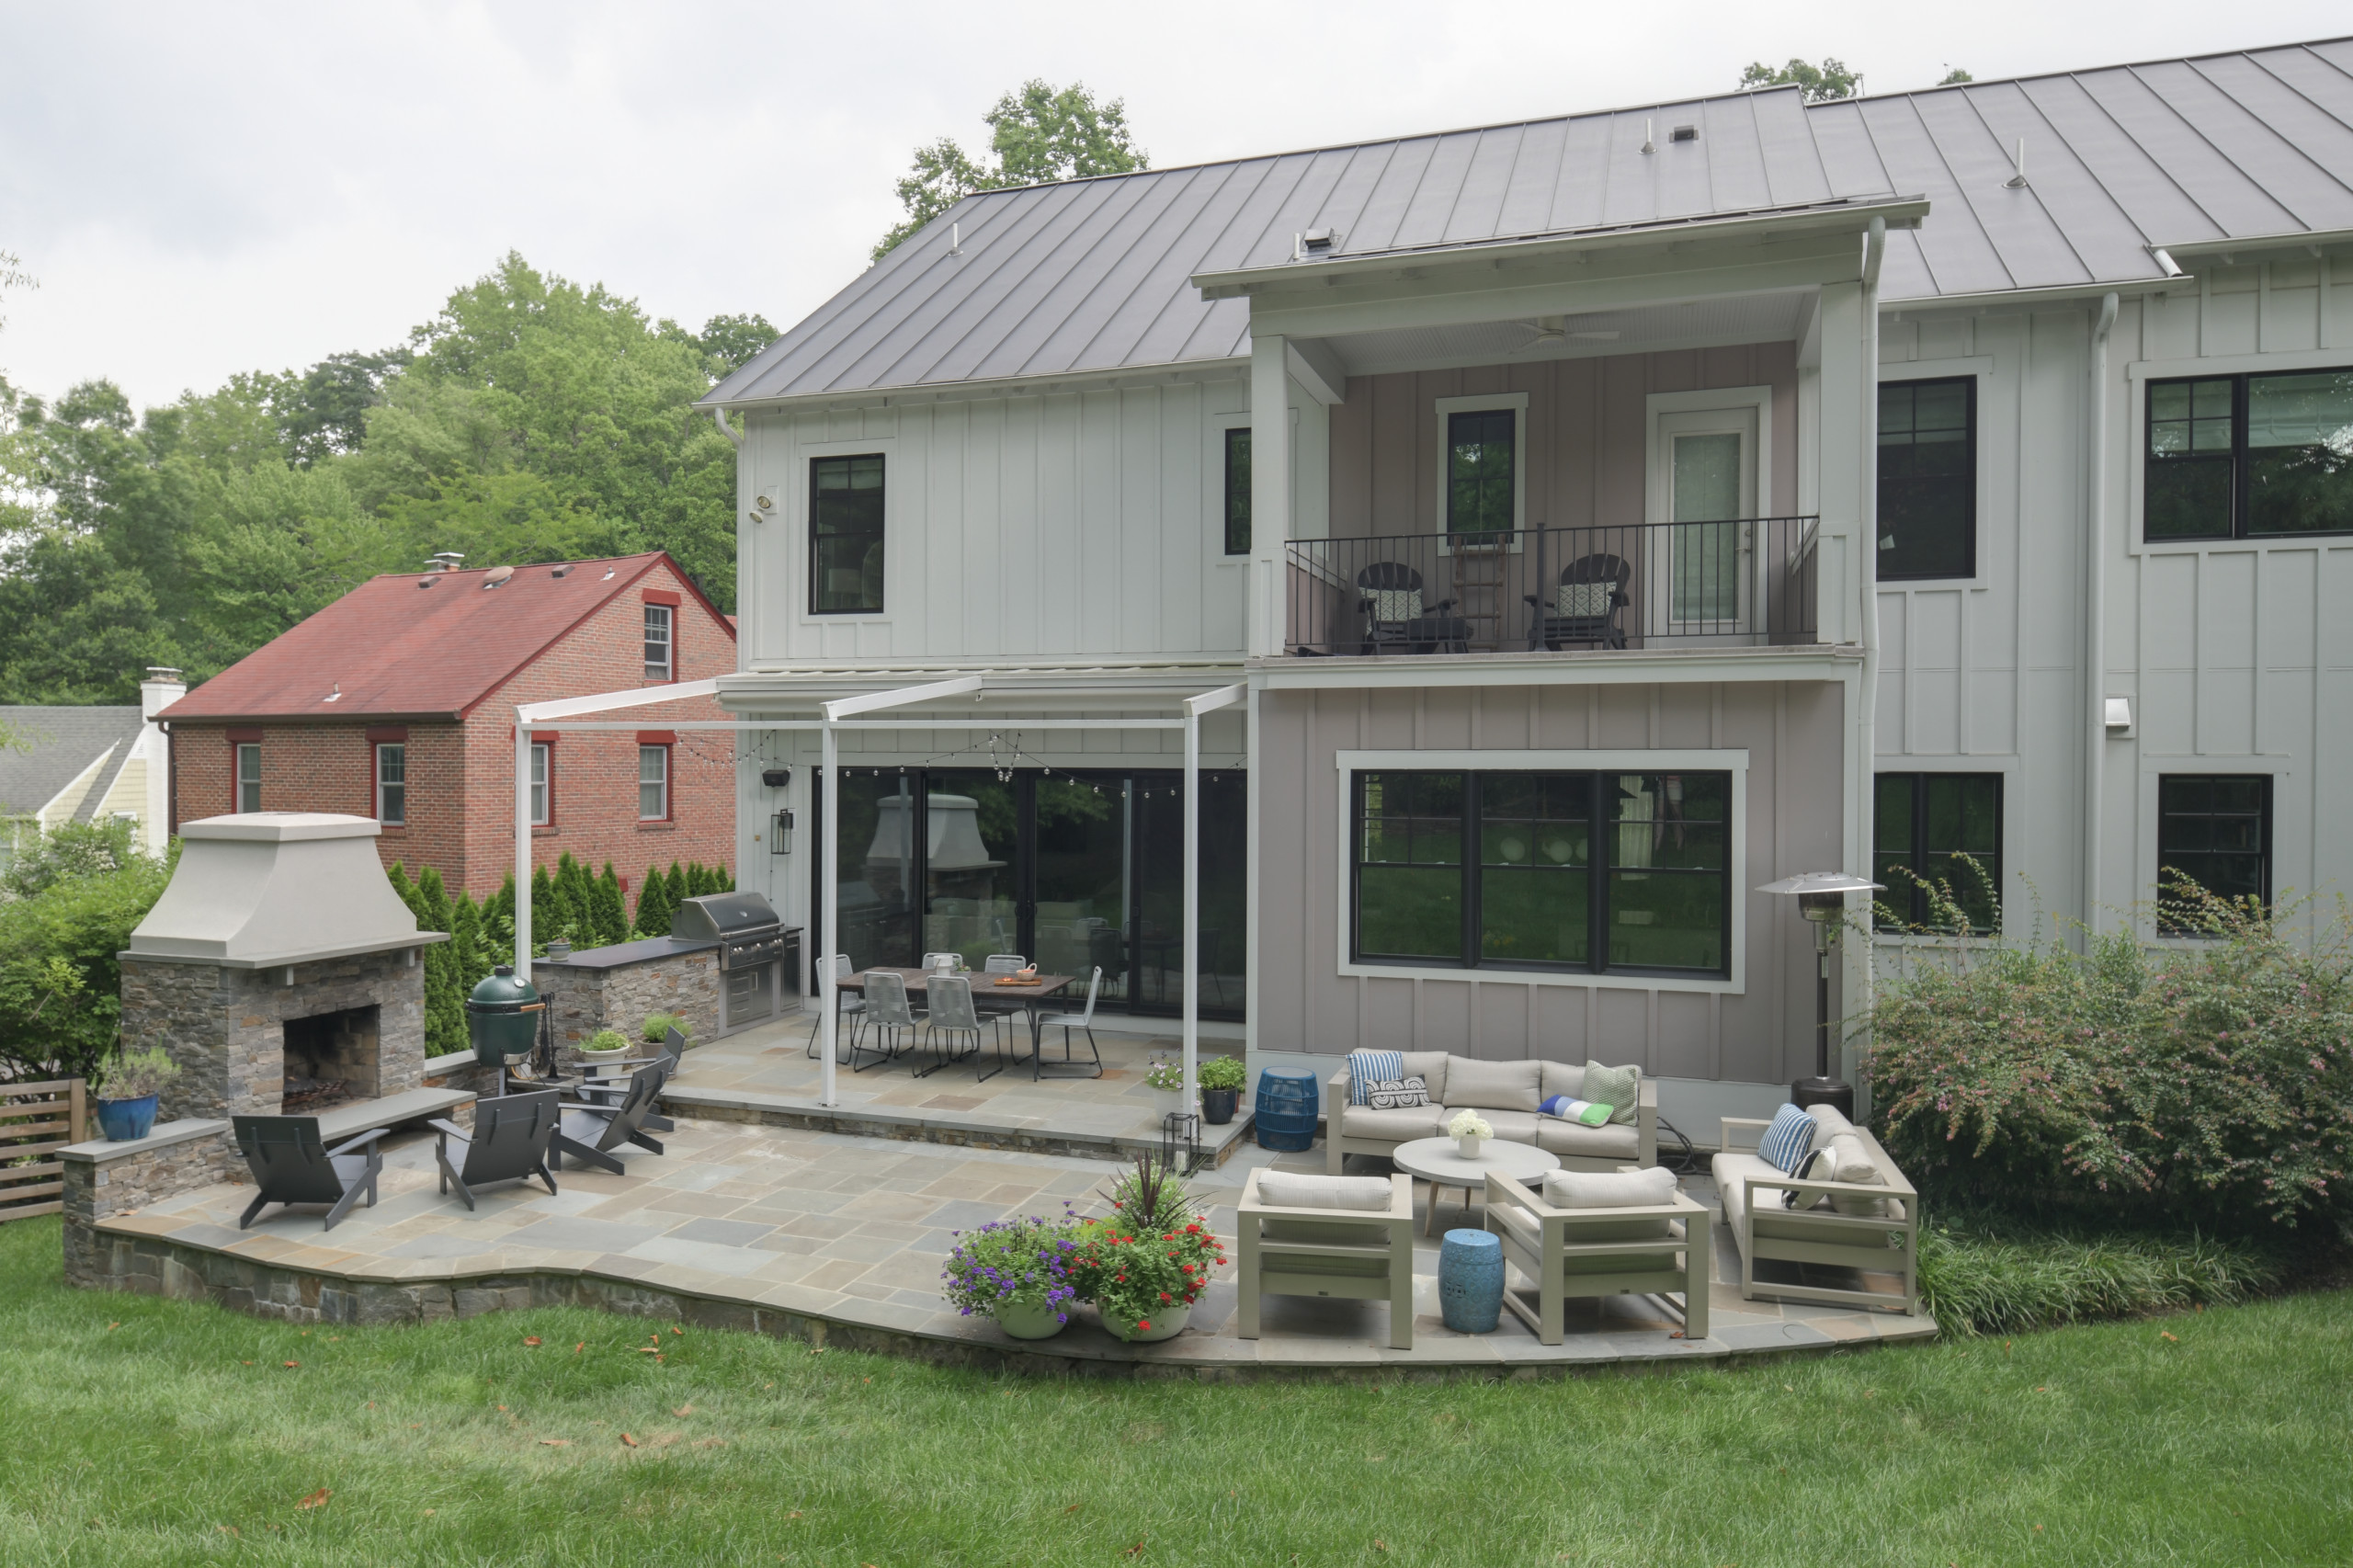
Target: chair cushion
{"x":1852,"y":1160}
{"x":1617,"y":1088}
{"x":1610,"y":1189}
{"x":1582,"y":600}
{"x":1788,"y":1140}
{"x":1429,"y":1066}
{"x":1294,"y":1189}
{"x":1390,"y":1126}
{"x":1514,"y":1126}
{"x":1396,"y":604}
{"x":1492,"y":1086}
{"x":1829,"y":1120}
{"x":1396,"y":1093}
{"x":1604,"y":1143}
{"x":1369,"y":1067}
{"x":1522,"y":1227}
{"x":1274,"y":1233}
{"x":1731,"y":1168}
{"x":1562,"y":1078}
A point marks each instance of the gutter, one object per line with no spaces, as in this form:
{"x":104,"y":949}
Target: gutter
{"x":2095,"y":618}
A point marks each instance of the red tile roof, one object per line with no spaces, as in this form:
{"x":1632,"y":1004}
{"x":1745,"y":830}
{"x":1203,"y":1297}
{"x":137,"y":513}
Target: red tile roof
{"x":396,"y":649}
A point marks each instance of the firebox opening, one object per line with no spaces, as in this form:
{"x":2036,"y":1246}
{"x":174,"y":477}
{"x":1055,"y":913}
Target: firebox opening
{"x":330,"y":1059}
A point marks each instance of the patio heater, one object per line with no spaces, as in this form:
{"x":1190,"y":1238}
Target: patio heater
{"x":1822,"y":899}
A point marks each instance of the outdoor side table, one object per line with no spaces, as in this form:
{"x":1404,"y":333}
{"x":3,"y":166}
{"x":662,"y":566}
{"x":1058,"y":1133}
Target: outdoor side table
{"x":1437,"y":1162}
{"x":1470,"y":1282}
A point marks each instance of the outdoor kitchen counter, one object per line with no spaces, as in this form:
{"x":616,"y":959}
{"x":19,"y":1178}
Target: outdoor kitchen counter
{"x":617,"y":987}
{"x":621,"y":954}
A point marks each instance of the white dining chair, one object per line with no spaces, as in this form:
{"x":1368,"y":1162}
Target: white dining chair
{"x":1066,"y":1022}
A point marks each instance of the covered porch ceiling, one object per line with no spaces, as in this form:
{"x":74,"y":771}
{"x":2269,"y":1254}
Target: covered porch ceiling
{"x":1780,"y":315}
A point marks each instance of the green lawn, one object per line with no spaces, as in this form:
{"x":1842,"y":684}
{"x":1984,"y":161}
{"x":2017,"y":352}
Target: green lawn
{"x":141,"y":1431}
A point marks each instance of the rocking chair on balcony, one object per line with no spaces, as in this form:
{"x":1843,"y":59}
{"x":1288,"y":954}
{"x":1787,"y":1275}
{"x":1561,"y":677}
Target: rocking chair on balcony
{"x":1584,"y":609}
{"x":1395,"y":619}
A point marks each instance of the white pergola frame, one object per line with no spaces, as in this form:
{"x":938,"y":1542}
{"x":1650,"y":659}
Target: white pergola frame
{"x":838,"y":715}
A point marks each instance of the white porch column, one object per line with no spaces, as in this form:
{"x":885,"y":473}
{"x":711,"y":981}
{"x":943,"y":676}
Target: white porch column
{"x":522,"y":848}
{"x":1207,"y":702}
{"x":828,"y":828}
{"x":1271,"y":493}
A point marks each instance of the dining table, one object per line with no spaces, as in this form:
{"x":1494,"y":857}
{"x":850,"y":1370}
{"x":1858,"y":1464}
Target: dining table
{"x":988,"y":998}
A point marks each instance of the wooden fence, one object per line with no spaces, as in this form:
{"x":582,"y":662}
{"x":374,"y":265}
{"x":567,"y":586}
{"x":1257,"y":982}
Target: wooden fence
{"x":36,"y":1121}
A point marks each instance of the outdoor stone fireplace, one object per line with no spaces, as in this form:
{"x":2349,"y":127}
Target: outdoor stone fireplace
{"x":279,"y":970}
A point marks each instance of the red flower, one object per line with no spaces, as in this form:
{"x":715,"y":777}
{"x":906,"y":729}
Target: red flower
{"x":1163,"y":1295}
{"x":1143,"y":1326}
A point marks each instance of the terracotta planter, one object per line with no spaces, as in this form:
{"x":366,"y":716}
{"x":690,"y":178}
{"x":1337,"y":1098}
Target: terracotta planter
{"x":1166,"y":1324}
{"x":1029,"y":1320}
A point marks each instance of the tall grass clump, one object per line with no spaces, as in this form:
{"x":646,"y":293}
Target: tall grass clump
{"x":1999,"y":1275}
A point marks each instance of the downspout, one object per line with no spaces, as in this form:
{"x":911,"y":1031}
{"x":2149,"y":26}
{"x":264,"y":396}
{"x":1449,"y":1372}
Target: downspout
{"x":2095,"y":613}
{"x":718,"y":417}
{"x":1858,"y":973}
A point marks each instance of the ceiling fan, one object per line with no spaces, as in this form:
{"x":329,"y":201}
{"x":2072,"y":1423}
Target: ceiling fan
{"x":1552,"y":331}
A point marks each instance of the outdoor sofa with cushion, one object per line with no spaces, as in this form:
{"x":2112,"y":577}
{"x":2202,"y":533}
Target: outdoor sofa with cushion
{"x":1345,"y":1237}
{"x":1506,"y":1094}
{"x":1867,"y":1218}
{"x":1627,"y":1231}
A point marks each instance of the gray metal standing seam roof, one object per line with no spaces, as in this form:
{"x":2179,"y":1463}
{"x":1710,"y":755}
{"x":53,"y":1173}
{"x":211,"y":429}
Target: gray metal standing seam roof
{"x":59,"y":742}
{"x":1093,"y":275}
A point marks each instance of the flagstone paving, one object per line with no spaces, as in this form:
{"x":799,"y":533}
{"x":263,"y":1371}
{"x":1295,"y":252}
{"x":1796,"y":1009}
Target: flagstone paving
{"x":854,"y":1232}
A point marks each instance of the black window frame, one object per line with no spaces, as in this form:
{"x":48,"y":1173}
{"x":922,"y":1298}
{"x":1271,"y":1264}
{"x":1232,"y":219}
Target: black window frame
{"x":1968,"y":442}
{"x":1510,"y":416}
{"x":2240,"y":486}
{"x":1237,"y":490}
{"x":1909,"y":898}
{"x":2169,"y":926}
{"x":1601,"y":829}
{"x":878,"y":533}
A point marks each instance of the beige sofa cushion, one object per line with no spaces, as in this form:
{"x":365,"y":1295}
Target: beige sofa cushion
{"x":1429,"y":1066}
{"x":1731,"y":1168}
{"x":1522,"y":1227}
{"x":1393,"y":1126}
{"x":1610,"y":1189}
{"x":1560,"y":1078}
{"x":1295,"y":1190}
{"x":1856,"y":1166}
{"x":1828,"y":1123}
{"x":1572,"y":1140}
{"x":1492,"y":1086}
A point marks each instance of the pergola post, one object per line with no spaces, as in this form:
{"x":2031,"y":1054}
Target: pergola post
{"x":522,"y":849}
{"x":1209,"y":701}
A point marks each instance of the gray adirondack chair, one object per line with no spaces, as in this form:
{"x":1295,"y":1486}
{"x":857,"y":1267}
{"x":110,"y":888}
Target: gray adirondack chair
{"x":290,"y":1166}
{"x":612,"y":1084}
{"x":594,"y":1126}
{"x":509,"y":1142}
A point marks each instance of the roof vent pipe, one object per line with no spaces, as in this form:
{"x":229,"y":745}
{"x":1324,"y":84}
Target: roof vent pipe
{"x":956,"y":239}
{"x":1648,"y":146}
{"x":2017,"y":180}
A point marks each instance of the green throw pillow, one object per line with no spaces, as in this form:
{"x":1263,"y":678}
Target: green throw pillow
{"x":1613,"y":1087}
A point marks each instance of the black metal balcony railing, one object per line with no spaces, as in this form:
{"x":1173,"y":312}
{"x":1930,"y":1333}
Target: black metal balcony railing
{"x":1752,"y":581}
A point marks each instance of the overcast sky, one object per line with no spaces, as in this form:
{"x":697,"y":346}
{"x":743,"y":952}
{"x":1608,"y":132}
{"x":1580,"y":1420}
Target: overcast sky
{"x":206,"y":188}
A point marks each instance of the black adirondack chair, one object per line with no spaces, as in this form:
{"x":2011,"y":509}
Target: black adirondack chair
{"x":612,"y":1086}
{"x":597,"y":1122}
{"x":1395,"y":619}
{"x":290,"y":1166}
{"x":1585,"y":607}
{"x":509,"y":1142}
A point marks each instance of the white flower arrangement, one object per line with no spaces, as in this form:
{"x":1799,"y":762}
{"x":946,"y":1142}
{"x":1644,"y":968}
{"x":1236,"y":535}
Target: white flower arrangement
{"x":1469,"y":1124}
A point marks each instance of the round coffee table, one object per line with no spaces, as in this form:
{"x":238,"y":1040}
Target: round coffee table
{"x":1437,"y":1162}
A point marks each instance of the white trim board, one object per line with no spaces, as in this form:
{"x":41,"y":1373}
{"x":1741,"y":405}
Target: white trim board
{"x":1732,"y":761}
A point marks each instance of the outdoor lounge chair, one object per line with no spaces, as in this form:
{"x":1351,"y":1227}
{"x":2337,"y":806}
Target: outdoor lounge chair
{"x":1641,"y":1249}
{"x":290,"y":1166}
{"x":1872,"y":1227}
{"x":1583,"y":607}
{"x":1395,"y":619}
{"x":509,"y":1142}
{"x":1330,"y":1236}
{"x":595,"y":1125}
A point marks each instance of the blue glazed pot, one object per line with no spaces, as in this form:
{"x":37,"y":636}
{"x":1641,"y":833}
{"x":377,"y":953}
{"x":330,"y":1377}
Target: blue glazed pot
{"x":127,"y":1121}
{"x":1470,"y":1282}
{"x":1286,"y":1110}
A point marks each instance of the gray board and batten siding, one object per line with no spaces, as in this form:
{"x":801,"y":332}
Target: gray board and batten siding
{"x":1095,"y":275}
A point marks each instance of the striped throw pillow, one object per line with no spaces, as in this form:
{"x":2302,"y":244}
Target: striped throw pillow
{"x":1788,"y":1141}
{"x":1369,"y":1067}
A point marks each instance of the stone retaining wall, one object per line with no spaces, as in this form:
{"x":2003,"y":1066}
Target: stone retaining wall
{"x":103,"y":1180}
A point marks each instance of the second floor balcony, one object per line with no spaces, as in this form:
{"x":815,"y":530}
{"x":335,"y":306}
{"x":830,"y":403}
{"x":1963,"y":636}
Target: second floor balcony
{"x":1740,"y":582}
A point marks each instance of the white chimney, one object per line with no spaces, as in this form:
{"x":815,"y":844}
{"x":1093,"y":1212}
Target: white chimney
{"x":162,"y":687}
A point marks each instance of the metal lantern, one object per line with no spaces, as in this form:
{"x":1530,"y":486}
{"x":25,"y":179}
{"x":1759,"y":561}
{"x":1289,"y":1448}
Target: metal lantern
{"x":503,"y":1017}
{"x":780,"y":833}
{"x":1822,"y":899}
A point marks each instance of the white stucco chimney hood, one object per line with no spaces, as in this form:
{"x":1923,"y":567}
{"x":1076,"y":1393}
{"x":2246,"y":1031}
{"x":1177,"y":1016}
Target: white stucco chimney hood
{"x":261,"y":889}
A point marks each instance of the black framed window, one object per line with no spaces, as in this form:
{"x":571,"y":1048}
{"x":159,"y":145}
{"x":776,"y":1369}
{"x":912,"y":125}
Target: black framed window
{"x":1590,"y":873}
{"x":845,"y":535}
{"x":1922,"y":826}
{"x":2250,"y":457}
{"x":1237,"y":490}
{"x":1928,"y":478}
{"x":1481,"y":455}
{"x":2215,"y":830}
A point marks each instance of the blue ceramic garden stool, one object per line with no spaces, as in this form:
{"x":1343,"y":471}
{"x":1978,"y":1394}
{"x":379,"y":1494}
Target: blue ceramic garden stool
{"x":1470,"y":1282}
{"x":1285,"y":1111}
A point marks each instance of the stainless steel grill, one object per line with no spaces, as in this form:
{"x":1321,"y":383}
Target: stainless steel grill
{"x":753,"y":947}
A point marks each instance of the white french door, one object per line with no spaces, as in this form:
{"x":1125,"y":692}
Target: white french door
{"x":1700,"y":566}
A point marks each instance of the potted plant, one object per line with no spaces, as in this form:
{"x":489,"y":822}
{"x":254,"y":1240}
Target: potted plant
{"x":1221,"y":1080}
{"x":128,"y":1083}
{"x":1147,"y":1262}
{"x":658,"y":1026}
{"x":1469,"y":1130}
{"x":603,"y":1050}
{"x":1167,"y":1078}
{"x":1017,"y":1271}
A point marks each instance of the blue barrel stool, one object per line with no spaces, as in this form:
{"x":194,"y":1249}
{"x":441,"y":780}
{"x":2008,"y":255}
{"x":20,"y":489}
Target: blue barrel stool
{"x":1285,"y":1111}
{"x":1470,"y":1282}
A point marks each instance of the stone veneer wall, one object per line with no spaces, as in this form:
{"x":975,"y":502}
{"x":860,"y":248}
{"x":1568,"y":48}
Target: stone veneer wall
{"x":586,"y":1000}
{"x":103,"y":1180}
{"x":226,"y":1027}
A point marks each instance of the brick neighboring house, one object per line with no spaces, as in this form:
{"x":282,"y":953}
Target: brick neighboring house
{"x":397,"y":701}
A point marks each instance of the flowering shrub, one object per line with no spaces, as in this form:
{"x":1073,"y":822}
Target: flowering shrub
{"x":1014,"y":1262}
{"x":2211,"y":1085}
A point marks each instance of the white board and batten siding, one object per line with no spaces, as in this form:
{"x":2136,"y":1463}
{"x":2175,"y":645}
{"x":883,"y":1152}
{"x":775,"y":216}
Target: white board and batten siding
{"x":2237,"y":655}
